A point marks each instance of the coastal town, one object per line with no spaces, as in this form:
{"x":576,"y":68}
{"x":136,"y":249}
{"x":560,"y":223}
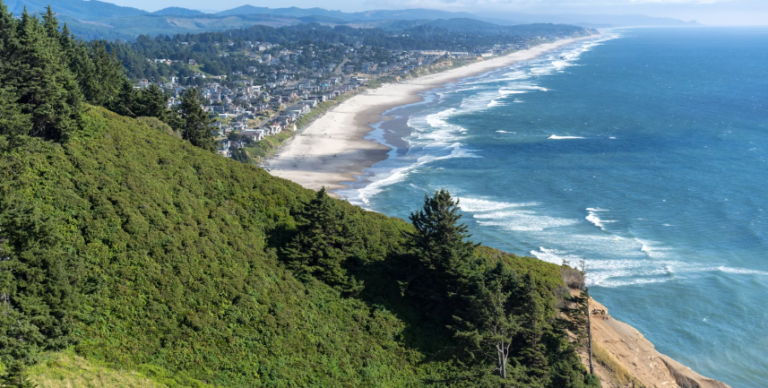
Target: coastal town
{"x":283,"y":84}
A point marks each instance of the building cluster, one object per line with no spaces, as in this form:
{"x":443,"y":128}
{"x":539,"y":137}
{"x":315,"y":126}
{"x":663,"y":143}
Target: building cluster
{"x":282,"y":84}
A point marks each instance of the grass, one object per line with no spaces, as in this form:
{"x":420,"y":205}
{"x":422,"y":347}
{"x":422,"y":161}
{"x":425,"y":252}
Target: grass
{"x":68,"y":370}
{"x":64,"y":370}
{"x":619,"y":372}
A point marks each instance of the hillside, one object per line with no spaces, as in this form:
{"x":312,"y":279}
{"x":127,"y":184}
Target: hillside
{"x":152,"y":253}
{"x":177,"y":11}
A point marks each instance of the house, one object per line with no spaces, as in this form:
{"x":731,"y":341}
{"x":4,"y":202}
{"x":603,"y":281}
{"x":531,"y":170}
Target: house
{"x":223,"y":149}
{"x":275,"y":128}
{"x":254,"y":134}
{"x":310,"y":103}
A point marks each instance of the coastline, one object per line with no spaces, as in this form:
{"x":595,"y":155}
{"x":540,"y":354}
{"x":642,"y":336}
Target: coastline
{"x":333,"y":149}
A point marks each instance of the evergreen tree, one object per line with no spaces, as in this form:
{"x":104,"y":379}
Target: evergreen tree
{"x":490,"y":326}
{"x":442,"y":261}
{"x":196,"y":126}
{"x":151,"y":102}
{"x":109,"y":77}
{"x":46,"y":89}
{"x":577,"y":313}
{"x":326,"y":240}
{"x":12,"y":121}
{"x":51,"y":24}
{"x":15,"y":377}
{"x":7,"y":30}
{"x":532,"y":351}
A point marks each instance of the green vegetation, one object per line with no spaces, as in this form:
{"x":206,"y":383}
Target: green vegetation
{"x":171,"y":257}
{"x":129,"y":254}
{"x":265,"y":148}
{"x":66,"y":369}
{"x":196,"y":125}
{"x":46,"y":74}
{"x":326,"y":239}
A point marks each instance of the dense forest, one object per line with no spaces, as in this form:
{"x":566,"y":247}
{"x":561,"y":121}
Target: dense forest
{"x":126,"y":242}
{"x":206,"y":48}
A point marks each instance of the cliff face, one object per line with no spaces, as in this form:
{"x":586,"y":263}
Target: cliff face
{"x":622,"y":356}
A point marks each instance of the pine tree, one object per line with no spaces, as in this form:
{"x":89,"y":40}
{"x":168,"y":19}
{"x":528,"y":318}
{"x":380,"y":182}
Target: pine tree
{"x":490,"y":327}
{"x":7,"y":30}
{"x":46,"y":89}
{"x":15,"y":377}
{"x":532,"y":354}
{"x":151,"y":102}
{"x":577,"y":314}
{"x":196,"y":126}
{"x":51,"y":24}
{"x":12,"y":121}
{"x":326,"y":240}
{"x":442,"y":258}
{"x":108,"y":76}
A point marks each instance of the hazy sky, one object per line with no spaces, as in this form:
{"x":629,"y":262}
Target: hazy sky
{"x":709,"y":12}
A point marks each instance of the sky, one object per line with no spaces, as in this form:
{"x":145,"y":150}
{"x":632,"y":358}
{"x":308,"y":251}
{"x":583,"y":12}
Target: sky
{"x":708,"y":12}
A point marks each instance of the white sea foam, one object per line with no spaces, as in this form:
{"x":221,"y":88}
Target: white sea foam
{"x":517,"y":101}
{"x":475,"y":205}
{"x":522,"y":220}
{"x":595,"y":219}
{"x":555,"y":137}
{"x":495,"y":103}
{"x":506,"y":92}
{"x":742,"y":271}
{"x":400,"y":174}
{"x":555,"y":256}
{"x":433,"y":130}
{"x":652,"y":248}
{"x":506,"y":132}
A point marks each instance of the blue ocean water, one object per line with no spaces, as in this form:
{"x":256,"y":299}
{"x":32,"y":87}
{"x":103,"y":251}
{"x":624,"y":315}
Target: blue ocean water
{"x":644,"y":152}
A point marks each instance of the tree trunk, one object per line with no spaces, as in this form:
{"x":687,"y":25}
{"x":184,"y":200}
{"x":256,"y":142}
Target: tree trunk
{"x":503,"y":367}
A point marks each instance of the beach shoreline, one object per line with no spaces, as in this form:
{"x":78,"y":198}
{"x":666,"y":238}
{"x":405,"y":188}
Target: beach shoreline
{"x":334,"y":150}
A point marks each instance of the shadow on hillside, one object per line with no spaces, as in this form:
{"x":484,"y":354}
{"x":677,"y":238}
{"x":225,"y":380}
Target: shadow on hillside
{"x":382,"y":292}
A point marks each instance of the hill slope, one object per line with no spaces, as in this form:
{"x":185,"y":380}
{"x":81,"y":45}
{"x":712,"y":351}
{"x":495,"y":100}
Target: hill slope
{"x":144,"y":252}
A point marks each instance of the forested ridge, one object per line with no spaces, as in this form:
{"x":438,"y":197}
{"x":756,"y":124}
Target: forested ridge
{"x":125,"y":241}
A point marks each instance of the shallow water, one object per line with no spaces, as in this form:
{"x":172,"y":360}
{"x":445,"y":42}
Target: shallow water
{"x":644,"y":152}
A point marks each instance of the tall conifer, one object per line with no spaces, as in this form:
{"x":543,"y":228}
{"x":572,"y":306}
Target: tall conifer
{"x":196,"y":126}
{"x":443,"y":259}
{"x":530,"y":308}
{"x":325,"y":241}
{"x":490,"y":326}
{"x":12,"y":121}
{"x":47,"y":90}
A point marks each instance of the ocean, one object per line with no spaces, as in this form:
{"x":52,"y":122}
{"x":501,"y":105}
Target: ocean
{"x":644,"y":152}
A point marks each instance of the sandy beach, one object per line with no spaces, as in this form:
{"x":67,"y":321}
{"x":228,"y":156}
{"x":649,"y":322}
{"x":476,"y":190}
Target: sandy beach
{"x":333,"y":149}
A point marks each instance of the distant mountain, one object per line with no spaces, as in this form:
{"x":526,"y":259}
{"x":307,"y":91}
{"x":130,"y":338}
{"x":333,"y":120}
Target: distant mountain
{"x":376,"y":15}
{"x":409,"y":14}
{"x":100,"y":20}
{"x":585,"y":20}
{"x":292,"y":12}
{"x":177,"y":11}
{"x":477,"y":27}
{"x":81,"y":9}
